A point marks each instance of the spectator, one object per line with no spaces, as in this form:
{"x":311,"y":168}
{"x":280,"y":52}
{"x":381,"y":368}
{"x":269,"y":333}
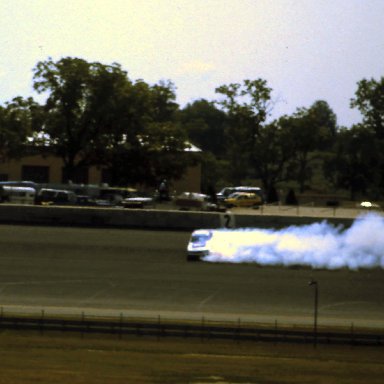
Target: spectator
{"x":291,"y":198}
{"x":163,"y":191}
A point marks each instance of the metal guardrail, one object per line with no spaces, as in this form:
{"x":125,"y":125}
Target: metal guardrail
{"x":203,"y":330}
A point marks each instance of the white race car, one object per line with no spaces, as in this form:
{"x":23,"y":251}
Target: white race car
{"x":198,"y":244}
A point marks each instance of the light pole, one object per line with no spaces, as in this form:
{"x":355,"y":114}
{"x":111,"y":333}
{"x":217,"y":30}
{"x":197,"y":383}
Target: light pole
{"x":315,"y":284}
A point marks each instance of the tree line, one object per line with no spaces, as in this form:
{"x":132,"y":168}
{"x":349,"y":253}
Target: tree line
{"x":94,"y":114}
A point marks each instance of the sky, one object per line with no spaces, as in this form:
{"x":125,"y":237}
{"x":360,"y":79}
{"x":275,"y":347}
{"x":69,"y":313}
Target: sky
{"x":306,"y":50}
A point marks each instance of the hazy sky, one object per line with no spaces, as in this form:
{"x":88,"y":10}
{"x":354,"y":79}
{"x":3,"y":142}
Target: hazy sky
{"x":307,"y":50}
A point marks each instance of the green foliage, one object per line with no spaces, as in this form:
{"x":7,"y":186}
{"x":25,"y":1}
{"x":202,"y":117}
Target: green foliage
{"x":272,"y":152}
{"x":205,"y":125}
{"x":247,"y":106}
{"x":163,"y":104}
{"x":95,"y":115}
{"x":369,"y":99}
{"x":18,"y":119}
{"x":164,"y":144}
{"x":353,"y":165}
{"x":81,"y":107}
{"x":310,"y":132}
{"x":213,"y":172}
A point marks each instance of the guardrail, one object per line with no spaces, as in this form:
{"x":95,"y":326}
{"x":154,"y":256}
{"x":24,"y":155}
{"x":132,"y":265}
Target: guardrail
{"x":203,"y":329}
{"x":266,"y":217}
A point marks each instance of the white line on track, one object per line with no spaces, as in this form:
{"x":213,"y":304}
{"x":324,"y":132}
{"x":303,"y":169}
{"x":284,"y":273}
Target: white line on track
{"x":98,"y":293}
{"x":208,"y":298}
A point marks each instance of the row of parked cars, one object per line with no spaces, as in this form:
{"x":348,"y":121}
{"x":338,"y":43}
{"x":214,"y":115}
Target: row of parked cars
{"x":24,"y":192}
{"x":229,"y":197}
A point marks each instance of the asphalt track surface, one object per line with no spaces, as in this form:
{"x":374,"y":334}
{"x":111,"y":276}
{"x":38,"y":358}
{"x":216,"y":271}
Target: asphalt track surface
{"x":145,"y":273}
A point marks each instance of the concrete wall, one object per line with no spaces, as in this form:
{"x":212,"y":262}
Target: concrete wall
{"x":147,"y":219}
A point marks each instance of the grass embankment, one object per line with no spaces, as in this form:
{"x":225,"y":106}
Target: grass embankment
{"x":29,"y":357}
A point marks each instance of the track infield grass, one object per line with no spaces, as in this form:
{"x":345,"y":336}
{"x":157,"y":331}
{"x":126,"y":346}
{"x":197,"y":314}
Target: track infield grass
{"x":30,"y":357}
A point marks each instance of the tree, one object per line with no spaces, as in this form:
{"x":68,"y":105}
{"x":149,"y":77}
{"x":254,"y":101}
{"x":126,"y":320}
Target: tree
{"x":148,"y":146}
{"x":312,"y":131}
{"x":83,"y":108}
{"x":160,"y":155}
{"x":206,"y":126}
{"x":273,"y":151}
{"x":164,"y":145}
{"x":18,"y":119}
{"x":247,"y":106}
{"x":354,"y":164}
{"x":163,"y":104}
{"x":369,"y":100}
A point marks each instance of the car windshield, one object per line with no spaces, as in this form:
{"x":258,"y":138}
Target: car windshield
{"x":199,"y":238}
{"x":226,"y":191}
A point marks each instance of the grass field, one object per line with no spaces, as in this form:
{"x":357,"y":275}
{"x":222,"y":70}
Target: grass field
{"x":29,"y":357}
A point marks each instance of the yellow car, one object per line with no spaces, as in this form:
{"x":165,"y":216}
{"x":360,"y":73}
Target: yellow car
{"x":243,"y":199}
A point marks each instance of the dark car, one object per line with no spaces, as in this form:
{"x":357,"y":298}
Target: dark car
{"x":47,"y":196}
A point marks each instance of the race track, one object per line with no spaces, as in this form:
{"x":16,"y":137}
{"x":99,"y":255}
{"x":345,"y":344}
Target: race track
{"x":133,"y":272}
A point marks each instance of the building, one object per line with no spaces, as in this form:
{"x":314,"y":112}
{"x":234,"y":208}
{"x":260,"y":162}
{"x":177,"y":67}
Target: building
{"x":48,"y":169}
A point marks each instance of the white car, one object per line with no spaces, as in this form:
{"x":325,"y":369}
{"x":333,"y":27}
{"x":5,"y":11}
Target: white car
{"x":198,"y":244}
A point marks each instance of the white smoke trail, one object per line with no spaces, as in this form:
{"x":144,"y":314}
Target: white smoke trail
{"x":319,"y":245}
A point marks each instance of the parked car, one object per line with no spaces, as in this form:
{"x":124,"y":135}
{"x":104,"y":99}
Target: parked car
{"x":89,"y":201}
{"x":192,"y":200}
{"x":227,"y":191}
{"x":115,"y":195}
{"x":368,"y":205}
{"x":197,"y":201}
{"x":47,"y":196}
{"x":138,"y":201}
{"x":17,"y":195}
{"x":198,"y":244}
{"x":243,"y":199}
{"x":224,"y":193}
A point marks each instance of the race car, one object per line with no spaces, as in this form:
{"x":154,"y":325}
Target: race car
{"x":198,"y":244}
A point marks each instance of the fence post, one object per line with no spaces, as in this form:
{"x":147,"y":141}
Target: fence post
{"x":82,"y":324}
{"x":352,"y":334}
{"x":237,"y":330}
{"x":158,"y":327}
{"x":276,"y":339}
{"x":42,"y":321}
{"x":121,"y":326}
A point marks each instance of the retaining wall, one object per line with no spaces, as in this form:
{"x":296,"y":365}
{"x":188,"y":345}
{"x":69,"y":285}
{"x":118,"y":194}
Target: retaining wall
{"x":148,"y":218}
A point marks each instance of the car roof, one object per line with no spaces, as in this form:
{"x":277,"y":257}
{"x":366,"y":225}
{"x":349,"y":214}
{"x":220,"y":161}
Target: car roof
{"x":249,"y":188}
{"x":205,"y":232}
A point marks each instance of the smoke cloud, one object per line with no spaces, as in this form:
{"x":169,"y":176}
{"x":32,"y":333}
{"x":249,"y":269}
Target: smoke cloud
{"x":319,"y":245}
